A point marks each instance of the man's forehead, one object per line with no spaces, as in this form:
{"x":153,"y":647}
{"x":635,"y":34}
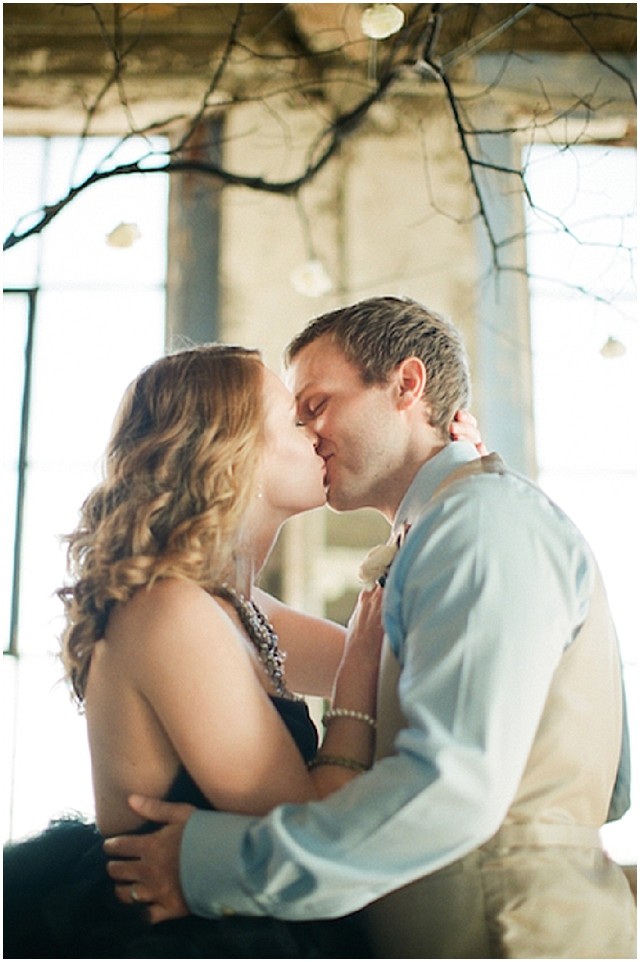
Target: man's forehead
{"x":313,"y":366}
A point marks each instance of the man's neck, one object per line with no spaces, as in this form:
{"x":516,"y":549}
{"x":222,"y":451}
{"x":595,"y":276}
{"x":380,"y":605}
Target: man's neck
{"x":401,"y":482}
{"x":432,"y":475}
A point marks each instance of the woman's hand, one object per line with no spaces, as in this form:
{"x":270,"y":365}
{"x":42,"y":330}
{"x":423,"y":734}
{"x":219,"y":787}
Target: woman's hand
{"x":365,"y":630}
{"x":464,"y":427}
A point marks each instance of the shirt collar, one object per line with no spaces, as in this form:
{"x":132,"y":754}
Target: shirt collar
{"x":430,"y":477}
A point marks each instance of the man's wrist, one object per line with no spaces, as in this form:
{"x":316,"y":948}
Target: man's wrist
{"x":211,"y":865}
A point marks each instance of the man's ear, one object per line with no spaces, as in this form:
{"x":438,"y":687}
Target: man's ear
{"x":410,"y":378}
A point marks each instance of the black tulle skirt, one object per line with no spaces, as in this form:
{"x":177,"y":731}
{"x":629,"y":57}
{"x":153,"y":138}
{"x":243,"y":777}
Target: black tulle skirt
{"x":59,"y":904}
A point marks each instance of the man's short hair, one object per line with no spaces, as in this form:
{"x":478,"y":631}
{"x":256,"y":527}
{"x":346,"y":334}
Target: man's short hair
{"x":377,"y":334}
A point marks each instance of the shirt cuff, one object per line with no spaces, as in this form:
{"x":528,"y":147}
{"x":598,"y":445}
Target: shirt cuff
{"x":211,"y":865}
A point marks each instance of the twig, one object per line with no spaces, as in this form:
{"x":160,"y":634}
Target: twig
{"x":344,"y":125}
{"x":215,"y":80}
{"x":570,"y":19}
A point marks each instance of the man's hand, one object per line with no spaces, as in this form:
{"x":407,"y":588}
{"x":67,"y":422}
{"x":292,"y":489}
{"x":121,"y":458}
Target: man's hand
{"x":151,"y":872}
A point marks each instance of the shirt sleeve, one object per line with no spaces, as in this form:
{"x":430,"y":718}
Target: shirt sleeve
{"x":490,"y":586}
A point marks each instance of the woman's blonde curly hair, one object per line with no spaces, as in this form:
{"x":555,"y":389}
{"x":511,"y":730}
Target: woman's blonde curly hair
{"x":179,"y":475}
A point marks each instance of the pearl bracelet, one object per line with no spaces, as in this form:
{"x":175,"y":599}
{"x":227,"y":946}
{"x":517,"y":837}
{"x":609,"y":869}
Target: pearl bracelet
{"x":348,"y":713}
{"x":341,"y":761}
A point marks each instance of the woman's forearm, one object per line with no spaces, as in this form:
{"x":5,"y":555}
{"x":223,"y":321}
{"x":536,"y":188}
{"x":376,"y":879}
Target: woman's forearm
{"x":348,"y":747}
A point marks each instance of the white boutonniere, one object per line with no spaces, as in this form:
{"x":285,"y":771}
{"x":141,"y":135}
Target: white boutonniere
{"x":375,"y":567}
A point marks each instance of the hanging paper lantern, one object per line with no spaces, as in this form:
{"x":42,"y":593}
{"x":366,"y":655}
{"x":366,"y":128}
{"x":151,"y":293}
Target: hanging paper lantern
{"x":612,"y":347}
{"x":124,"y":235}
{"x":311,"y":279}
{"x":382,"y":20}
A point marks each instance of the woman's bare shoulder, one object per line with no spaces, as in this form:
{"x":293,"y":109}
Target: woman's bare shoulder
{"x":166,"y":607}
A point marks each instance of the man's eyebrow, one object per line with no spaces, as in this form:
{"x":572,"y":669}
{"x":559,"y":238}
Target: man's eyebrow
{"x":307,"y":394}
{"x":301,"y":392}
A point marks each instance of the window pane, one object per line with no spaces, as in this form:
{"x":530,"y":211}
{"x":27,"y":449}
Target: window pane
{"x":582,"y":398}
{"x":51,"y":772}
{"x":100,"y":319}
{"x":14,"y":341}
{"x":23,"y":165}
{"x":90,"y":346}
{"x":583,"y":227}
{"x":91,"y":343}
{"x":75,"y":249}
{"x":582,"y":293}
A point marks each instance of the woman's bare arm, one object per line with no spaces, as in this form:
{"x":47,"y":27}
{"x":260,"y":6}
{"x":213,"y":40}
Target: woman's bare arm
{"x":348,"y":733}
{"x":352,"y":671}
{"x":314,"y":646}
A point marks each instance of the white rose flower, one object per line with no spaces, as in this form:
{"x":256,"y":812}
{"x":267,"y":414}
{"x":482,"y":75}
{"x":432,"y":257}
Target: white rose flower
{"x":377,"y":563}
{"x":382,"y":20}
{"x":375,"y":567}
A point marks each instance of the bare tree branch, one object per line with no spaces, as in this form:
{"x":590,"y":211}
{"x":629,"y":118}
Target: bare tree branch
{"x":215,"y":80}
{"x":294,"y":69}
{"x":571,"y":20}
{"x":344,"y":125}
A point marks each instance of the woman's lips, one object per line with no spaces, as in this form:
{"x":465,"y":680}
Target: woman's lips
{"x":326,"y":460}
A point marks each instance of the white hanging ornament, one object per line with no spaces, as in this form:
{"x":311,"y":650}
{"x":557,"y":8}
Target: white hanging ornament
{"x":382,"y":20}
{"x":311,"y":279}
{"x":612,"y":348}
{"x":124,"y":235}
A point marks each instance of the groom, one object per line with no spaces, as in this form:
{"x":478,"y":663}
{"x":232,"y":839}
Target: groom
{"x":475,"y":834}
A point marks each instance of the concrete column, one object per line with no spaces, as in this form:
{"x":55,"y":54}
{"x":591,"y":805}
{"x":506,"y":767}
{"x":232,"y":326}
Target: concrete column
{"x":193,"y":288}
{"x":503,"y":365}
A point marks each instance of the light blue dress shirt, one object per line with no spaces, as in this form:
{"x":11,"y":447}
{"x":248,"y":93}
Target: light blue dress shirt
{"x":492,"y":583}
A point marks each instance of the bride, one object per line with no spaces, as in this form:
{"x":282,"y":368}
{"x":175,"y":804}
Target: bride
{"x":174,"y":656}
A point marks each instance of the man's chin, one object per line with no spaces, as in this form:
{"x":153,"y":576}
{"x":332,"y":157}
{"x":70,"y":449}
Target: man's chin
{"x":329,"y":497}
{"x":336,"y":501}
{"x":337,"y":498}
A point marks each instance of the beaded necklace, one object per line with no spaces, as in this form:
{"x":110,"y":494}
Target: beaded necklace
{"x":263,"y":636}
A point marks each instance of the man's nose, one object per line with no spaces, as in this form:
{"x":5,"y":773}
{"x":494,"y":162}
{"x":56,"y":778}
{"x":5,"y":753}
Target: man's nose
{"x":321,"y":445}
{"x":310,"y":425}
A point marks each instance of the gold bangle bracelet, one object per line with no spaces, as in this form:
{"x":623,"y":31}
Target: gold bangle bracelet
{"x":341,"y":761}
{"x":348,"y":713}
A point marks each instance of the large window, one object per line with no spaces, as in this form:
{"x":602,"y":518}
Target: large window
{"x":81,"y":318}
{"x":584,"y":342}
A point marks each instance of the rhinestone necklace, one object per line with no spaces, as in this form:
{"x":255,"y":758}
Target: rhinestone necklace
{"x":263,"y":636}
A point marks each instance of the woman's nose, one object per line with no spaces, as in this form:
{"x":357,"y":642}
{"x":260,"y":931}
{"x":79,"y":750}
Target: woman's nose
{"x":309,"y":428}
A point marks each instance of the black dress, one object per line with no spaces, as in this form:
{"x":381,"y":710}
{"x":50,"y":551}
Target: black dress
{"x":59,"y":902}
